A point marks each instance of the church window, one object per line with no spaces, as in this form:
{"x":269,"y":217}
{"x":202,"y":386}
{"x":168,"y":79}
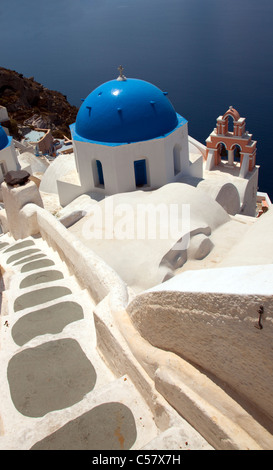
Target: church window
{"x":100,"y":177}
{"x":140,"y":172}
{"x":176,"y":159}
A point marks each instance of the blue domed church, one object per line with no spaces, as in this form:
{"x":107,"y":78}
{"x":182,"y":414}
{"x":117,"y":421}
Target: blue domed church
{"x":8,"y":157}
{"x":127,"y":136}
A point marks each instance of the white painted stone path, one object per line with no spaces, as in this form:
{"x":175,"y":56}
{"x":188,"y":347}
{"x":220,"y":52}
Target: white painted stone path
{"x":56,"y":390}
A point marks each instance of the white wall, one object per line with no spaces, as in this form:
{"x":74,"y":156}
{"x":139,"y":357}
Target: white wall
{"x":214,"y":329}
{"x":118,"y":165}
{"x":8,"y":155}
{"x":250,"y":195}
{"x":118,"y":162}
{"x":68,"y":192}
{"x":3,"y":114}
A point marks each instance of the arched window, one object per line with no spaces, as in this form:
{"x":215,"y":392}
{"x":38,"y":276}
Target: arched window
{"x":176,"y":159}
{"x":98,"y":174}
{"x":230,"y":124}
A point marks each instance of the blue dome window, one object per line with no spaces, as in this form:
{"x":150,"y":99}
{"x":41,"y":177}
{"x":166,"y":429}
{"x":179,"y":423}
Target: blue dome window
{"x":4,"y":140}
{"x":125,"y":111}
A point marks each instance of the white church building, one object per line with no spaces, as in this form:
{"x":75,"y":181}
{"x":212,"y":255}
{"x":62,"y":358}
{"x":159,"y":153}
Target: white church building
{"x":127,"y":136}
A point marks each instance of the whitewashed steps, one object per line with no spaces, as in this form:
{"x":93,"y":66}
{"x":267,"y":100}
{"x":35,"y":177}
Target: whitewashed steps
{"x":56,"y":391}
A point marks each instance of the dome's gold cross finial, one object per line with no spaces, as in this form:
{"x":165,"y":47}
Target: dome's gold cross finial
{"x":121,"y":76}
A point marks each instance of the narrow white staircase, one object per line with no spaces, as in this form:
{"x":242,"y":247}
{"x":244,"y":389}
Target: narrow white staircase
{"x":56,"y":390}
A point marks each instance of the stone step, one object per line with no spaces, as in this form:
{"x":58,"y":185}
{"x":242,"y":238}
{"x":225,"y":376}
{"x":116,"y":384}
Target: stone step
{"x":46,"y":376}
{"x":16,"y":302}
{"x":72,"y":314}
{"x":34,"y":283}
{"x":114,"y":417}
{"x":17,"y":255}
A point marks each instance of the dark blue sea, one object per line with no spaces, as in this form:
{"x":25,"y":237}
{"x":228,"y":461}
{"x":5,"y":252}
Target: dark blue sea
{"x":208,"y":55}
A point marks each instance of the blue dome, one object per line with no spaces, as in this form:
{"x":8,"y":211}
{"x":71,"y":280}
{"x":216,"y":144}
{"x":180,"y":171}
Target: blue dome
{"x":3,"y":138}
{"x":124,"y":111}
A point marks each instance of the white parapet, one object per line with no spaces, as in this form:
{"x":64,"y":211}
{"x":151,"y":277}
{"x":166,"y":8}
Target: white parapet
{"x":15,"y":198}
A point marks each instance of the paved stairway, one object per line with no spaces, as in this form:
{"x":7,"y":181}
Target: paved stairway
{"x":56,"y":391}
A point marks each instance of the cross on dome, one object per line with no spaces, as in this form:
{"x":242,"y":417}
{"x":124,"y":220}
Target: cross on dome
{"x":121,"y":76}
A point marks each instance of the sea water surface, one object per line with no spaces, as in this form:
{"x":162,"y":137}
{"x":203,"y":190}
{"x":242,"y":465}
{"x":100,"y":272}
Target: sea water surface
{"x":208,"y":55}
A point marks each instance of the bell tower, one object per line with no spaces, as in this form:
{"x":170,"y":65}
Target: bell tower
{"x":223,"y":142}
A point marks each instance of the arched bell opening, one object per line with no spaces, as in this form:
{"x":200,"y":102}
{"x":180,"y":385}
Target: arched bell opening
{"x":223,"y":152}
{"x":237,"y":153}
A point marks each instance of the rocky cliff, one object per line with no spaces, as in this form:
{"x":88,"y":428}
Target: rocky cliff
{"x":31,"y":104}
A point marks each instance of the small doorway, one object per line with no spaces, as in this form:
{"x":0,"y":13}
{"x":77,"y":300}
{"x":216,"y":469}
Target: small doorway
{"x":140,"y":172}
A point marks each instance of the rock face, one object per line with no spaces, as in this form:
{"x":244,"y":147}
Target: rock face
{"x":29,"y":102}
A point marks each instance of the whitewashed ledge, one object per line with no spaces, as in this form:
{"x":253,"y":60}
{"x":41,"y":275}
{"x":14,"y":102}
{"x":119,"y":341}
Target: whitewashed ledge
{"x":242,"y":280}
